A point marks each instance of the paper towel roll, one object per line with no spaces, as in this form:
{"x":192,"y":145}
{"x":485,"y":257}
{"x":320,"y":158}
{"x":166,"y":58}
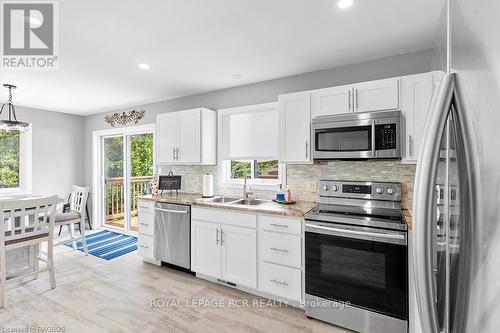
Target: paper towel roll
{"x":208,"y":186}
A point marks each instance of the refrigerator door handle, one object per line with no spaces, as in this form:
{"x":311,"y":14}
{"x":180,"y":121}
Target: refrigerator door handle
{"x":423,"y":204}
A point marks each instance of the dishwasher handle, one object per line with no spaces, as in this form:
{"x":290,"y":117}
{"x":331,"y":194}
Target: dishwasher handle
{"x":172,"y":211}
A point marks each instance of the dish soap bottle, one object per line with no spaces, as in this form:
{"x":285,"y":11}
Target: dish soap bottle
{"x":280,"y":196}
{"x":288,"y":193}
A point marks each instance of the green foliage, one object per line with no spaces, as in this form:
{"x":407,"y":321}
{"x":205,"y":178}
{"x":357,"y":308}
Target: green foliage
{"x":9,"y":158}
{"x":240,"y":169}
{"x":142,"y":155}
{"x":141,"y":159}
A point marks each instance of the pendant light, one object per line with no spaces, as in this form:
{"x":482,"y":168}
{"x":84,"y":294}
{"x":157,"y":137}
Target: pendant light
{"x":11,"y":124}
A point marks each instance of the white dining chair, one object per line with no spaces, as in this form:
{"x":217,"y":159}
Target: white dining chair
{"x":76,"y":215}
{"x":27,"y":222}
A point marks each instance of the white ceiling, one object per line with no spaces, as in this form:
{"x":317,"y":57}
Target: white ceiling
{"x":195,"y":46}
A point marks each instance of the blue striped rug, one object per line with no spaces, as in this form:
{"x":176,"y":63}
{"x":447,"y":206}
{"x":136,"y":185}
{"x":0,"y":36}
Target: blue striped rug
{"x":108,"y":244}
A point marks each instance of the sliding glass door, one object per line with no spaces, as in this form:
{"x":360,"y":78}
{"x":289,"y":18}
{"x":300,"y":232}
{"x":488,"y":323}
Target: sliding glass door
{"x":127,"y":169}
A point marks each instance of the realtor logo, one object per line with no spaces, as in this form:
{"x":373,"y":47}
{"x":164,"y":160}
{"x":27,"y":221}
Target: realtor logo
{"x":29,"y":35}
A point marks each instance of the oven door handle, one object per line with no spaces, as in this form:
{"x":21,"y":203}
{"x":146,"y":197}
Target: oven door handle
{"x":366,"y":235}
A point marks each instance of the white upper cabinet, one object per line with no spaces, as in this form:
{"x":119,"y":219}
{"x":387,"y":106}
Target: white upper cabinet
{"x":330,"y":101}
{"x":167,"y":137}
{"x":295,"y":127}
{"x":417,"y":92}
{"x":377,"y":95}
{"x":187,"y":137}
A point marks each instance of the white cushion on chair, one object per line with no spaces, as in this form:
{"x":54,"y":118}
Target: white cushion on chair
{"x":65,"y":217}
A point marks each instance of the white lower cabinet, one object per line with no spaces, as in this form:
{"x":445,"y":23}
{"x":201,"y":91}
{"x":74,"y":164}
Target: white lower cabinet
{"x":205,"y":248}
{"x":255,"y":251}
{"x":281,"y":281}
{"x":145,"y":225}
{"x":280,"y":257}
{"x":221,"y":249}
{"x":239,"y":255}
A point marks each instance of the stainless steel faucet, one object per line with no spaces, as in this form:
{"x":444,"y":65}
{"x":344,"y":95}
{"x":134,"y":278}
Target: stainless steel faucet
{"x":246,"y":189}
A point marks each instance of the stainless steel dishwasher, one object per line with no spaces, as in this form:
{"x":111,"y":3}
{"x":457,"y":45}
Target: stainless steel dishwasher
{"x":173,"y":234}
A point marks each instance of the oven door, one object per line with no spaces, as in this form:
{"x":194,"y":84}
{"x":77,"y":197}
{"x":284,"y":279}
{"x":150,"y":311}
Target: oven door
{"x":366,"y":267}
{"x":344,"y":139}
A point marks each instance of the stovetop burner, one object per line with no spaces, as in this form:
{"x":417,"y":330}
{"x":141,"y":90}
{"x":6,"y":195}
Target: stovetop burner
{"x":376,"y":207}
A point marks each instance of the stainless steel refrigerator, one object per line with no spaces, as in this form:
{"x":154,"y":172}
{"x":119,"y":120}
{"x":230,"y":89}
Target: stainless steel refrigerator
{"x":456,"y":207}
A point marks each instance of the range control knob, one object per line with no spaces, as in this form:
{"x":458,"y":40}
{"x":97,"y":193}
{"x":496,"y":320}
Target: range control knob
{"x":326,"y":188}
{"x":379,"y":190}
{"x":391,"y":191}
{"x":335,"y":188}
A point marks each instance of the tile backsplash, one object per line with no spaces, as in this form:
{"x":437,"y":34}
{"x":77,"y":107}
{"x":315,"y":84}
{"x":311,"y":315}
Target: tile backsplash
{"x":303,"y":178}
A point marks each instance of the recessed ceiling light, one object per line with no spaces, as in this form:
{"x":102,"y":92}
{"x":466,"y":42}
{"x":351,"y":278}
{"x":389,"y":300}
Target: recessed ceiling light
{"x":342,"y":4}
{"x":237,"y":76}
{"x":143,"y":66}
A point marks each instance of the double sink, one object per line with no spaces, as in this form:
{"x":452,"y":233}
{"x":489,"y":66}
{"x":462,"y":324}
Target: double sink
{"x":236,"y":201}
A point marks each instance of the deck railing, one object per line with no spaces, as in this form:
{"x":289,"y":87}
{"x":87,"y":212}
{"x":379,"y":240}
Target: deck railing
{"x":115,"y":196}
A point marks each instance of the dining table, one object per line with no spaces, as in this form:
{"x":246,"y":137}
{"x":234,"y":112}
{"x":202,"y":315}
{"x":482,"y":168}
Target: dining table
{"x":21,"y":260}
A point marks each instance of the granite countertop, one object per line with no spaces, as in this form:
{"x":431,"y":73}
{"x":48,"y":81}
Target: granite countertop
{"x":407,"y":218}
{"x":298,"y":209}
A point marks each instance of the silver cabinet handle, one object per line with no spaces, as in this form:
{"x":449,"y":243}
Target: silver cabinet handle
{"x":140,"y":223}
{"x":221,"y":237}
{"x":173,"y":153}
{"x":144,"y":246}
{"x":283,"y":283}
{"x":177,"y":153}
{"x":144,"y":207}
{"x":279,"y":225}
{"x":217,"y":237}
{"x":278,"y":250}
{"x":357,"y":100}
{"x":349,"y":97}
{"x":410,"y":148}
{"x":307,"y":149}
{"x":172,"y":211}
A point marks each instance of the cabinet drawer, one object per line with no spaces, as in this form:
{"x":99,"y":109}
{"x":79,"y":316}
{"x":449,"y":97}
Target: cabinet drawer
{"x":281,"y":224}
{"x":146,"y":206}
{"x":281,"y":281}
{"x":145,"y":246}
{"x":280,"y":248}
{"x":224,"y":217}
{"x":145,"y":223}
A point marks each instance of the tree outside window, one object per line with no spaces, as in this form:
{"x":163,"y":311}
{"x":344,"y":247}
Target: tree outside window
{"x":9,"y":159}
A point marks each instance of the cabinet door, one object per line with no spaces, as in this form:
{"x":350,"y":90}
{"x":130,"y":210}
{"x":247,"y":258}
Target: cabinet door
{"x":167,"y":137}
{"x":377,"y":95}
{"x":295,"y":127}
{"x":330,"y":101}
{"x":239,"y":255}
{"x":416,"y":97}
{"x":189,"y":136}
{"x":205,"y":248}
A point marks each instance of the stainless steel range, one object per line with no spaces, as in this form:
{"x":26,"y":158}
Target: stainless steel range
{"x":356,"y":257}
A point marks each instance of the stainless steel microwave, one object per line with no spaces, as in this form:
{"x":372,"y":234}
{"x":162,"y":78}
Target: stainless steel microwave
{"x":363,"y":135}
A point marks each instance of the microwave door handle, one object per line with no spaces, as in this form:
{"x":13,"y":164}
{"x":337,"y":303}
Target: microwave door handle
{"x":373,"y":138}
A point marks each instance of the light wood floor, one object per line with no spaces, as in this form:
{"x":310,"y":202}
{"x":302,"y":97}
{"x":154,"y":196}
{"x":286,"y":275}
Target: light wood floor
{"x":94,"y":295}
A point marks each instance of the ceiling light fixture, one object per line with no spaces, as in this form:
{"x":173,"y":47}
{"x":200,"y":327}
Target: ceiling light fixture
{"x":143,"y":66}
{"x":11,"y":123}
{"x":237,"y":76}
{"x":343,"y":4}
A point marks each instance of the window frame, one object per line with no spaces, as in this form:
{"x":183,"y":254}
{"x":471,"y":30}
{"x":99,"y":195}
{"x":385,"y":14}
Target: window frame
{"x":265,"y":183}
{"x":25,"y":165}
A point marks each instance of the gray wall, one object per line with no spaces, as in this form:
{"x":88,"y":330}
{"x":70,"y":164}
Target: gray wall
{"x":57,"y":150}
{"x":268,"y":91}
